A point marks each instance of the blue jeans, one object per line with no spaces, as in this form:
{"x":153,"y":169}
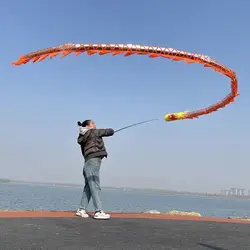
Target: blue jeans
{"x":92,"y":189}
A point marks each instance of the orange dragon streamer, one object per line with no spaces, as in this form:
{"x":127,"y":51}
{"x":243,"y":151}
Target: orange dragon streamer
{"x":153,"y":52}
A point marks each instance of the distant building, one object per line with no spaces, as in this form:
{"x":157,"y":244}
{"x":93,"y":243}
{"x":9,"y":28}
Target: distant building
{"x":235,"y":192}
{"x":225,"y":192}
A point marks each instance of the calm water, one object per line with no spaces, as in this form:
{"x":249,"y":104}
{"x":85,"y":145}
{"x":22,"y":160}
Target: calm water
{"x":48,"y":197}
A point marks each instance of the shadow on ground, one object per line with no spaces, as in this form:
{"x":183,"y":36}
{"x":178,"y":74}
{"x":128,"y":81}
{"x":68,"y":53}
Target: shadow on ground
{"x":212,"y":247}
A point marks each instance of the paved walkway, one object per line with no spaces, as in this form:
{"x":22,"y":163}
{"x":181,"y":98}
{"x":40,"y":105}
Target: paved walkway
{"x":72,"y":233}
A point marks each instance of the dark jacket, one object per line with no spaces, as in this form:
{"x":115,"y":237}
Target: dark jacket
{"x":91,"y":142}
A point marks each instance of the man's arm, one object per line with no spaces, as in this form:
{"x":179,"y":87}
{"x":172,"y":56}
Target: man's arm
{"x":105,"y":132}
{"x":80,"y":139}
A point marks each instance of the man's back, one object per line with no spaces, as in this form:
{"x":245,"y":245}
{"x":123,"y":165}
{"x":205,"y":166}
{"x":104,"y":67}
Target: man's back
{"x":91,"y":142}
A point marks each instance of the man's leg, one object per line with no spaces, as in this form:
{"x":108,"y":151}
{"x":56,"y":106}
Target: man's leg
{"x":86,"y":196}
{"x":92,"y":171}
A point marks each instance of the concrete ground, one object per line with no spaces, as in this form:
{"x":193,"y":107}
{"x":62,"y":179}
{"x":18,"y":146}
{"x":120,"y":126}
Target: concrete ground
{"x":72,"y":233}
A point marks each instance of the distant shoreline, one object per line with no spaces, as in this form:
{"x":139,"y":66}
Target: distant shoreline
{"x":3,"y":180}
{"x":129,"y":189}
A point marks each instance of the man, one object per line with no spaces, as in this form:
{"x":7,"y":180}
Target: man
{"x":93,"y":150}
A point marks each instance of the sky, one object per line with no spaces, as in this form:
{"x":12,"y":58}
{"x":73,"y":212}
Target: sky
{"x":41,"y":103}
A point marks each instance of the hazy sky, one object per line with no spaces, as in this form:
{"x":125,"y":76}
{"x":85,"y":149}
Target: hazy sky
{"x":41,"y":103}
